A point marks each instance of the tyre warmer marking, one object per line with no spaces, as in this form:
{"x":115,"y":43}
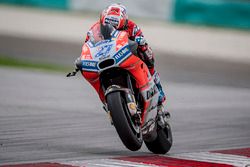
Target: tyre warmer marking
{"x":221,"y":158}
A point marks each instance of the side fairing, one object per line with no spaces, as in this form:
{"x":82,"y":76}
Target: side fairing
{"x":150,"y":95}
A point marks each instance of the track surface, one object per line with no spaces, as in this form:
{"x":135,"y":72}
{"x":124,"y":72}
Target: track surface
{"x":48,"y":117}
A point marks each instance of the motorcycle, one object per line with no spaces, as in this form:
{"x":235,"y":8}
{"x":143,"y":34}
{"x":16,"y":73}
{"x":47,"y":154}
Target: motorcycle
{"x":126,"y":88}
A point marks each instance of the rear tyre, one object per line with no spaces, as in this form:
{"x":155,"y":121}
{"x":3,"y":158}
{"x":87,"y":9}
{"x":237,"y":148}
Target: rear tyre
{"x":125,"y":127}
{"x":163,"y":142}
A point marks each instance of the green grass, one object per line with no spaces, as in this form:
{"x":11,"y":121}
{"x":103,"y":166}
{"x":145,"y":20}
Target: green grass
{"x":26,"y":64}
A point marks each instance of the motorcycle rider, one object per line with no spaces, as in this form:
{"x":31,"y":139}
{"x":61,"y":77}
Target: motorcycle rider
{"x":116,"y":15}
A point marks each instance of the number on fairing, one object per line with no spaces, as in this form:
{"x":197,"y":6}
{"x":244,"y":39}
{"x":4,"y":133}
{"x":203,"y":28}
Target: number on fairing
{"x":103,"y":50}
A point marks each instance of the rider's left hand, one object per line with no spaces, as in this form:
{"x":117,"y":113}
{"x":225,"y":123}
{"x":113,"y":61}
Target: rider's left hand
{"x":78,"y":63}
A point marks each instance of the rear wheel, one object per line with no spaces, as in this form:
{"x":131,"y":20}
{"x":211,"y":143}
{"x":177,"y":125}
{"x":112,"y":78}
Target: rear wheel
{"x":128,"y":131}
{"x":163,"y":142}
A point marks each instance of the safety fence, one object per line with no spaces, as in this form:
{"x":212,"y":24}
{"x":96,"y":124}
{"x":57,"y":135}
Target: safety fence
{"x":227,"y":13}
{"x":54,"y":4}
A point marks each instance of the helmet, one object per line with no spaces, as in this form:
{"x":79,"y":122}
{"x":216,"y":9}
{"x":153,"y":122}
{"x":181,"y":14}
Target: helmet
{"x":116,"y":15}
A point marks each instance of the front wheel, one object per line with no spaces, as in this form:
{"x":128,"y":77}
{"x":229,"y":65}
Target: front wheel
{"x":126,"y":128}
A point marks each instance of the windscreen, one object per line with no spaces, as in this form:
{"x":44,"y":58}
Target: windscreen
{"x":100,"y":32}
{"x":95,"y":34}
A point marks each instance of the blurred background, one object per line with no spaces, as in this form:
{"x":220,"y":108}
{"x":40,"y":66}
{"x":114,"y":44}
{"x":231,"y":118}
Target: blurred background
{"x":188,"y":29}
{"x":187,"y":36}
{"x":202,"y":51}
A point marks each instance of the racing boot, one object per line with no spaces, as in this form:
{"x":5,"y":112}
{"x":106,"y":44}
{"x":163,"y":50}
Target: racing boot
{"x":162,"y":112}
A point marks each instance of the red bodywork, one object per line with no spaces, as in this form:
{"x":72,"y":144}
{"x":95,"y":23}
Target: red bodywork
{"x":136,"y":67}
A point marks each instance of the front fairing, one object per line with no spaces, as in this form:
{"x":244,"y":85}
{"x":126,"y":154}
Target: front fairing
{"x":103,"y":50}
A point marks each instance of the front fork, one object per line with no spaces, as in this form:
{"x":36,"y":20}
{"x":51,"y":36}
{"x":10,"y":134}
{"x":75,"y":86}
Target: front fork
{"x":134,"y":111}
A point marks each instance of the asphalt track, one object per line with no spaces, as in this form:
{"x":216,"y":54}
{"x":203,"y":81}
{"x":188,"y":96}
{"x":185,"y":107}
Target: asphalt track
{"x":45,"y":116}
{"x":48,"y":117}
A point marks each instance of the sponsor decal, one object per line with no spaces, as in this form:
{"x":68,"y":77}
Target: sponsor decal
{"x":151,"y":92}
{"x":112,"y":20}
{"x":86,"y":52}
{"x":122,"y":54}
{"x":86,"y":56}
{"x":89,"y":65}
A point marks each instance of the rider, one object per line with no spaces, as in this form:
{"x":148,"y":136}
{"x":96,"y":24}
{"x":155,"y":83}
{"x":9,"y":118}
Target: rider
{"x":116,"y":15}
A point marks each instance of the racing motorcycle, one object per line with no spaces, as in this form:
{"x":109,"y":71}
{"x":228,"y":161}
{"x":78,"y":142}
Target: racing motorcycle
{"x":109,"y":62}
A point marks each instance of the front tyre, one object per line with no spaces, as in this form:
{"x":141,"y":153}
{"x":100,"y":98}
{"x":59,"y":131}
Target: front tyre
{"x":123,"y":123}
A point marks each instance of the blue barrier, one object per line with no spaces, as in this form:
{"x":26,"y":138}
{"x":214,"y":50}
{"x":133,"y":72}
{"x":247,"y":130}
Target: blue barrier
{"x":228,"y":13}
{"x":57,"y":4}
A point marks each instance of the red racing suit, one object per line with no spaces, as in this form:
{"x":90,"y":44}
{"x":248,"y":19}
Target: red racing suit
{"x":135,"y":34}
